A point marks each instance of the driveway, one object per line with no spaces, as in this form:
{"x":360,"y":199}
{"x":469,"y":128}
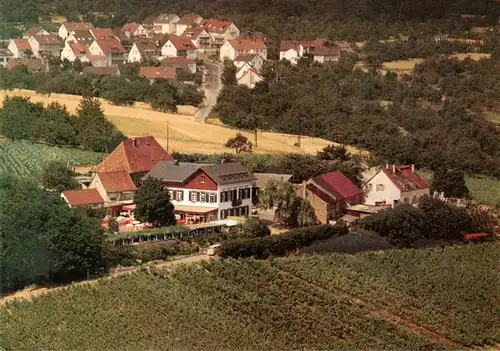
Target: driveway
{"x":211,"y":91}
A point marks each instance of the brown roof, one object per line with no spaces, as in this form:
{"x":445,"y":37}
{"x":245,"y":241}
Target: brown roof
{"x":286,"y":45}
{"x":143,"y":46}
{"x":181,"y":43}
{"x":33,"y":31}
{"x":321,"y":194}
{"x":111,"y":46}
{"x":157,"y":72}
{"x":83,"y":197}
{"x":116,"y":181}
{"x":134,"y":155}
{"x":189,"y":19}
{"x":245,"y":58}
{"x":94,"y":58}
{"x":319,"y":43}
{"x":83,"y":36}
{"x":130,"y":27}
{"x":213,"y":25}
{"x":22,"y":44}
{"x":178,"y":59}
{"x":193,"y":32}
{"x":103,"y":71}
{"x":47,"y":39}
{"x":247,"y":44}
{"x":327,"y":51}
{"x":33,"y":64}
{"x":71,"y":26}
{"x":103,"y":34}
{"x":228,"y":173}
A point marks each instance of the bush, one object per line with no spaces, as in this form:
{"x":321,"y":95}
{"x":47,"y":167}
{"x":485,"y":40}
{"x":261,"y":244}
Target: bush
{"x":264,"y":247}
{"x":251,"y":228}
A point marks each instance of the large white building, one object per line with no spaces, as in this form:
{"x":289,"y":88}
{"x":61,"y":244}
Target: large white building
{"x":206,"y":192}
{"x":233,"y":48}
{"x":395,"y":185}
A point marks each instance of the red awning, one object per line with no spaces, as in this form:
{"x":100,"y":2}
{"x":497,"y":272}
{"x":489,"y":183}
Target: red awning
{"x":475,"y":236}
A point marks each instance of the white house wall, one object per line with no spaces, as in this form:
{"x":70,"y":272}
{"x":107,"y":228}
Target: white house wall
{"x":227,"y":51}
{"x":63,"y":32}
{"x":168,"y":49}
{"x":13,"y":48}
{"x":134,"y":55}
{"x":67,"y":53}
{"x":390,"y":193}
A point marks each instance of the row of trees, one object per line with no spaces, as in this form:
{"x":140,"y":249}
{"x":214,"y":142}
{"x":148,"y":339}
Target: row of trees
{"x":89,"y":130}
{"x":399,"y":121}
{"x":162,"y":94}
{"x":432,"y":219}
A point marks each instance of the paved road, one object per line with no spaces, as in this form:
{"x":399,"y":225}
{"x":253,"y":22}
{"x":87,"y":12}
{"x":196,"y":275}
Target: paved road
{"x":29,"y":294}
{"x":211,"y":91}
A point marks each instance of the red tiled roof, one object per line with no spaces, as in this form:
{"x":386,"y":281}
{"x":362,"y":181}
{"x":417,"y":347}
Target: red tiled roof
{"x":178,"y":59}
{"x":181,"y":43}
{"x":79,"y":49}
{"x":135,"y":155}
{"x":192,"y":32}
{"x":327,"y":51}
{"x":130,"y":27}
{"x":83,"y":36}
{"x":33,"y":31}
{"x":83,"y":197}
{"x":22,"y":44}
{"x":47,"y":39}
{"x":103,"y":34}
{"x":157,"y":72}
{"x":286,"y":45}
{"x":405,"y":177}
{"x":189,"y":19}
{"x":71,"y":26}
{"x":111,"y":46}
{"x":33,"y":64}
{"x":94,"y":58}
{"x":313,"y":43}
{"x":213,"y":25}
{"x":247,"y":44}
{"x":338,"y":184}
{"x":116,"y":181}
{"x":147,"y":46}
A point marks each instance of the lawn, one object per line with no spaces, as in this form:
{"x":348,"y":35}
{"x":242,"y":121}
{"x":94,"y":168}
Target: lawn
{"x":24,"y":158}
{"x":408,"y":65}
{"x":395,"y":300}
{"x":493,"y":116}
{"x":185,"y":134}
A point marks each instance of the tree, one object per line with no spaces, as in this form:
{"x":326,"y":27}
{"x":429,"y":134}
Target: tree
{"x":153,"y":204}
{"x":251,"y":228}
{"x":58,"y":177}
{"x":54,"y":126}
{"x":17,"y":116}
{"x":451,"y":182}
{"x":163,"y":96}
{"x":334,"y":153}
{"x":229,"y":73}
{"x":28,"y":53}
{"x":280,"y":195}
{"x":240,"y":143}
{"x":307,"y":215}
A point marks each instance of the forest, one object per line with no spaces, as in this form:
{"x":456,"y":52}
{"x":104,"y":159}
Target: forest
{"x":432,"y":118}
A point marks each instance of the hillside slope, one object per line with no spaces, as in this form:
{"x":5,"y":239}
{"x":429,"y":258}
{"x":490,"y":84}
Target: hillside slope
{"x":402,"y":299}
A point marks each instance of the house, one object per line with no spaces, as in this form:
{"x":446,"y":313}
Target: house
{"x":233,"y":48}
{"x":103,"y":34}
{"x":179,"y":46}
{"x":327,"y":54}
{"x":310,"y":45}
{"x":220,"y":30}
{"x":345,"y":47}
{"x":83,"y":197}
{"x":393,"y":185}
{"x":261,"y":179}
{"x":133,"y":29}
{"x":32,"y":64}
{"x":250,"y":78}
{"x":243,"y":69}
{"x":80,"y":36}
{"x":66,"y":28}
{"x":19,"y":48}
{"x":103,"y":71}
{"x":38,"y":30}
{"x":5,"y":55}
{"x":182,"y":63}
{"x":206,"y":193}
{"x":73,"y":51}
{"x":153,"y":73}
{"x":254,"y":60}
{"x":187,"y":21}
{"x":95,"y":60}
{"x":330,"y":195}
{"x":201,"y":38}
{"x":166,"y":23}
{"x":136,"y":155}
{"x":143,"y":51}
{"x":112,"y":49}
{"x":114,"y":187}
{"x":291,"y":50}
{"x":45,"y":45}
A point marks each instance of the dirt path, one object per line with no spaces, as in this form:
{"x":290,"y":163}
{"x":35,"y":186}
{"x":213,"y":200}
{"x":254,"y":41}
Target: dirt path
{"x":379,"y":311}
{"x":32,"y":293}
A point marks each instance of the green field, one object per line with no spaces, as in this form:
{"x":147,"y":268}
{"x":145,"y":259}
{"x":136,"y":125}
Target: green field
{"x":395,"y":300}
{"x":24,"y":158}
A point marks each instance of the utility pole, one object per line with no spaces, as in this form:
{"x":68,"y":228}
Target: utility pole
{"x":300,"y":131}
{"x":168,"y":135}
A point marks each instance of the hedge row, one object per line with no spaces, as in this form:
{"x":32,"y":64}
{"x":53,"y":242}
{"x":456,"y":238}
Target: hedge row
{"x":279,"y":245}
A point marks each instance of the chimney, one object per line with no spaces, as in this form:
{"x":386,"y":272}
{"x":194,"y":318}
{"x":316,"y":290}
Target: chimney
{"x":134,"y":142}
{"x":413,"y":168}
{"x":386,"y":166}
{"x":394,"y":168}
{"x":222,"y":161}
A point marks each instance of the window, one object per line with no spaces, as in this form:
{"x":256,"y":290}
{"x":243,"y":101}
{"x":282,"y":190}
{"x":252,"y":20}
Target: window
{"x":203,"y":197}
{"x":211,"y":198}
{"x":171,"y":194}
{"x":179,"y":195}
{"x":406,"y":200}
{"x":202,"y":179}
{"x":192,"y":196}
{"x":380,"y":187}
{"x":370,"y":187}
